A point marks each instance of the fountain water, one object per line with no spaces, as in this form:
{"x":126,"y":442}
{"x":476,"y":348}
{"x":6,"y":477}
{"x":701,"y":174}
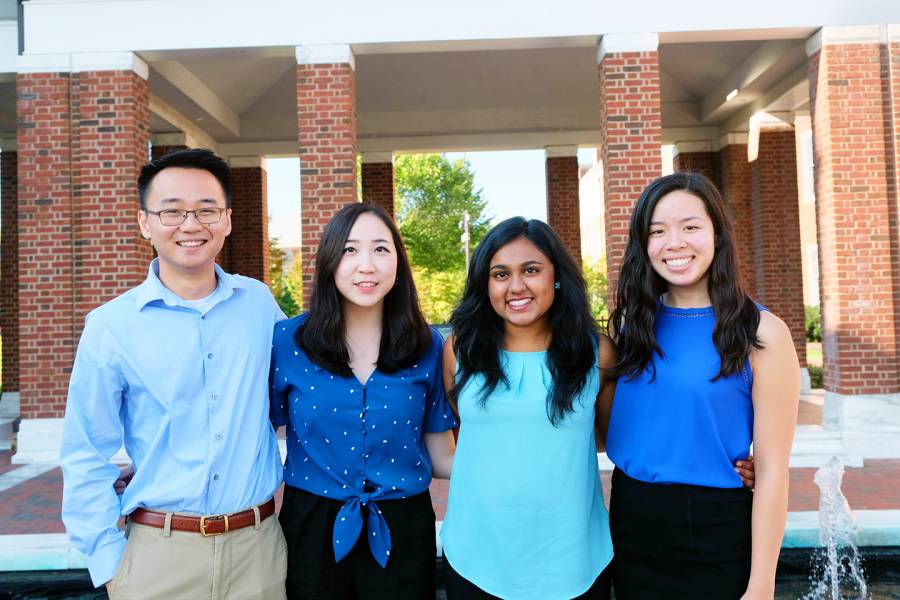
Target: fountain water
{"x":836,"y":570}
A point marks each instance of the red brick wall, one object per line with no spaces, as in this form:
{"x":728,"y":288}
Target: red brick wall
{"x":890,"y":63}
{"x":855,"y":207}
{"x":160,"y":151}
{"x":46,"y":302}
{"x":9,"y":281}
{"x":82,"y":138}
{"x":110,"y":145}
{"x":734,"y":171}
{"x":248,"y":244}
{"x":563,"y":213}
{"x":631,"y":128}
{"x":326,"y":124}
{"x":706,"y":163}
{"x":776,"y":232}
{"x":378,"y":185}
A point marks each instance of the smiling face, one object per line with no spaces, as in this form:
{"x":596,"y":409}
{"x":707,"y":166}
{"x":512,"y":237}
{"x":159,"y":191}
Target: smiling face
{"x":521,"y":284}
{"x":368,"y":267}
{"x":681,"y":242}
{"x":189,"y":249}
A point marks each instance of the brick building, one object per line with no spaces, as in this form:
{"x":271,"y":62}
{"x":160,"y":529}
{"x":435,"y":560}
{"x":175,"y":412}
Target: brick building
{"x":89,"y":89}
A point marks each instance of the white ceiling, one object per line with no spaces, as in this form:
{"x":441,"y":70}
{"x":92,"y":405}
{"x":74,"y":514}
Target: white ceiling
{"x":236,"y":95}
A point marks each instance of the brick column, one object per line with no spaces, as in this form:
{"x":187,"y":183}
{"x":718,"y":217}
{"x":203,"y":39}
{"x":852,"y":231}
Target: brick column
{"x":163,"y":143}
{"x":326,"y":125}
{"x":699,"y":161}
{"x":734,"y":173}
{"x":82,"y":136}
{"x":9,"y":281}
{"x":248,"y":244}
{"x":855,"y":155}
{"x":109,"y":146}
{"x":46,"y":253}
{"x":378,"y":180}
{"x":777,"y":258}
{"x":563,"y":212}
{"x":631,"y":128}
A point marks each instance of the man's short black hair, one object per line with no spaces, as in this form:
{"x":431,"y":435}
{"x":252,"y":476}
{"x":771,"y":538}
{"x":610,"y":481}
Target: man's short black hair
{"x":192,"y":158}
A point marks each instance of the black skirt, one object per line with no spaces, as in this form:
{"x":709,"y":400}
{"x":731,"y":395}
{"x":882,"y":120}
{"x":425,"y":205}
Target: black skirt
{"x":679,"y":541}
{"x":308,"y":523}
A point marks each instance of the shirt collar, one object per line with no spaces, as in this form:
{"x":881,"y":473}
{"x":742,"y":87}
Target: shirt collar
{"x":152,"y":289}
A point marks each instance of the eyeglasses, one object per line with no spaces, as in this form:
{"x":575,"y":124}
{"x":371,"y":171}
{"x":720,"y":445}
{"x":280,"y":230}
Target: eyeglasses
{"x":173,"y":217}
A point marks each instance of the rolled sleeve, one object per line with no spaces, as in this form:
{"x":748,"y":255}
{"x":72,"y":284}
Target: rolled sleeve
{"x":92,"y":434}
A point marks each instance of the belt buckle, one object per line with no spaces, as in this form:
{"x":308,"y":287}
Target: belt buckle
{"x":203,"y":521}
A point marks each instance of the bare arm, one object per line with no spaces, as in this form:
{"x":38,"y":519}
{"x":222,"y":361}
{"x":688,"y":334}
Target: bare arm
{"x":606,"y":360}
{"x":776,"y":396}
{"x":442,"y":446}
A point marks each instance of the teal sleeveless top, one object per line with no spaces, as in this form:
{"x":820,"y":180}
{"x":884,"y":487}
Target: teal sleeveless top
{"x":525,"y":516}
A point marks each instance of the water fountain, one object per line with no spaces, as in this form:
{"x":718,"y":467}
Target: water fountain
{"x":836,"y":570}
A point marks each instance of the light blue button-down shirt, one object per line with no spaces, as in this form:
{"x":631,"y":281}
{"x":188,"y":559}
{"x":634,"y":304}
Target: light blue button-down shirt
{"x":187,"y":392}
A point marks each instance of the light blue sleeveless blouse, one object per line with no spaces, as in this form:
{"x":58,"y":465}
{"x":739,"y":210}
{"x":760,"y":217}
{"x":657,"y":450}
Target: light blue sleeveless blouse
{"x":525,"y":516}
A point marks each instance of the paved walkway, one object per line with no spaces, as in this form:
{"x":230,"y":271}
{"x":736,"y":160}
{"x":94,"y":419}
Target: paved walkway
{"x":32,"y":535}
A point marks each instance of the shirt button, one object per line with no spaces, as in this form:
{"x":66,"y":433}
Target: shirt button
{"x":209,"y":356}
{"x":218,"y":436}
{"x":215,"y":397}
{"x":216,"y":477}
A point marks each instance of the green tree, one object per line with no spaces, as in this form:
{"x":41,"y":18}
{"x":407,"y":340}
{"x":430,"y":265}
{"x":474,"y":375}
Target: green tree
{"x":595,"y":276}
{"x":432,"y":195}
{"x":286,"y":287}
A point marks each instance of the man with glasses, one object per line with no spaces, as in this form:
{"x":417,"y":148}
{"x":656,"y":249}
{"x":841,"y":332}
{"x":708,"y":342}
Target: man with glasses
{"x":177,"y":369}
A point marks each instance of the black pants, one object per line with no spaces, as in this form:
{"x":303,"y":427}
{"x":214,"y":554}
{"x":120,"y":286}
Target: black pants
{"x":312,"y":573}
{"x":679,"y":541}
{"x":460,"y":588}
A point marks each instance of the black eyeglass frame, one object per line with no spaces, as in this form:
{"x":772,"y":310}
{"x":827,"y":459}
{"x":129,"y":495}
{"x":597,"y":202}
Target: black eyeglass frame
{"x":184,"y":215}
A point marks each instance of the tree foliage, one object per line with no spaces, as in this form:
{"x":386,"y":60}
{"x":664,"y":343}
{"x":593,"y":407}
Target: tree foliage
{"x":595,"y":276}
{"x":432,"y":195}
{"x":286,"y":286}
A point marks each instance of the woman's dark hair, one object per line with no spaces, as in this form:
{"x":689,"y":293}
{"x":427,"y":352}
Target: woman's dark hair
{"x":631,"y":323}
{"x":405,"y":334}
{"x":479,"y":331}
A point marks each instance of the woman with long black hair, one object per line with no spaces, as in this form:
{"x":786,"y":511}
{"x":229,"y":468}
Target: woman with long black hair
{"x":703,"y":372}
{"x":357,"y":381}
{"x":525,"y":515}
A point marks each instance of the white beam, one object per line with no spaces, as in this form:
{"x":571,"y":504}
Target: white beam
{"x":171,"y":115}
{"x":324,"y":54}
{"x":560,"y":151}
{"x":833,"y":36}
{"x":376,"y":157}
{"x":741,"y":121}
{"x":270,"y":149}
{"x":627,"y":42}
{"x":479,"y":142}
{"x":750,"y":70}
{"x":191,"y":86}
{"x":674,"y":135}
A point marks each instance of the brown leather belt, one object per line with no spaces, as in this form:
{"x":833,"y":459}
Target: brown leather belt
{"x":208,"y":525}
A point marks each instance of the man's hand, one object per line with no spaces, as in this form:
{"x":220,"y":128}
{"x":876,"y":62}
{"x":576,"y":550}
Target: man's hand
{"x":746,"y":470}
{"x":126,"y":472}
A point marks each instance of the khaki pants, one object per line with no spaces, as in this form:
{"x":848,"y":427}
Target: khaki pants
{"x":249,"y":563}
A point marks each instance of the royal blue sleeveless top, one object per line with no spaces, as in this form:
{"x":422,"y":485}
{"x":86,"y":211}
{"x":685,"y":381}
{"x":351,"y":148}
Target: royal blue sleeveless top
{"x":525,"y":516}
{"x":681,"y":427}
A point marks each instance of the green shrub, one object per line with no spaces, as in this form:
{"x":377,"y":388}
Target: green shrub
{"x":816,"y":376}
{"x":813,"y":324}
